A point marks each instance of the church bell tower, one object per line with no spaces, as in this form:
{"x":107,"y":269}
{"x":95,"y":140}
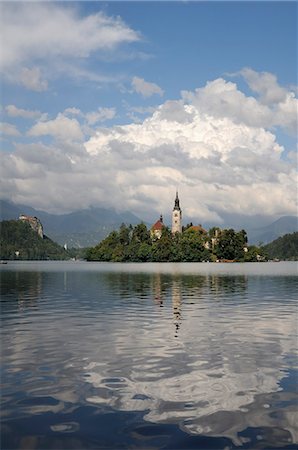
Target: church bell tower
{"x":177,"y":216}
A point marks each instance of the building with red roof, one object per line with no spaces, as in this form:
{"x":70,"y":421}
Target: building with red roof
{"x":156,"y":229}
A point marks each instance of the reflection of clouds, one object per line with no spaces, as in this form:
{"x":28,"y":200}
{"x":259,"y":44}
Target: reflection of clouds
{"x":189,"y":398}
{"x":111,"y":345}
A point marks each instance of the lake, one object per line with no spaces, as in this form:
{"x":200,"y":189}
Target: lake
{"x":149,"y":356}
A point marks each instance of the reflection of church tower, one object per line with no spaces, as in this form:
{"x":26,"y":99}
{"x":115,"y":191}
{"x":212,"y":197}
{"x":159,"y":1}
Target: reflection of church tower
{"x":177,"y":216}
{"x":157,"y":289}
{"x":176,"y":304}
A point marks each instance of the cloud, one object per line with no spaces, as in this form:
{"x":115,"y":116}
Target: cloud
{"x":146,"y":89}
{"x":101,"y":115}
{"x":222,"y":159}
{"x":220,"y":98}
{"x":32,"y":79}
{"x":52,"y":34}
{"x":265,"y":84}
{"x":8,"y":129}
{"x":62,"y":128}
{"x":72,"y":111}
{"x":92,"y":117}
{"x":14,"y":111}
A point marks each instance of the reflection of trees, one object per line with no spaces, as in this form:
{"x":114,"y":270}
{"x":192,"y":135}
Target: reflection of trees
{"x":157,"y":289}
{"x":128,"y":285}
{"x":220,"y":286}
{"x":25,"y":287}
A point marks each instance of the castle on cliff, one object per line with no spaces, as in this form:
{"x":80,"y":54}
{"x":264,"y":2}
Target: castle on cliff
{"x":34,"y":223}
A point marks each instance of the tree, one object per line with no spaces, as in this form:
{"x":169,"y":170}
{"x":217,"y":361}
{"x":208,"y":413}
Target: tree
{"x":162,"y":249}
{"x":230,"y":245}
{"x":192,"y":246}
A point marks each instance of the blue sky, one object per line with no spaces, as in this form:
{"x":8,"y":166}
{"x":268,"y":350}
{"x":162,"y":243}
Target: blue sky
{"x":77,"y":76}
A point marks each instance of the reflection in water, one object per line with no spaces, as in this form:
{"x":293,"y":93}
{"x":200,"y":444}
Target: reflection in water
{"x":176,"y":302}
{"x":97,"y":356}
{"x":22,"y":286}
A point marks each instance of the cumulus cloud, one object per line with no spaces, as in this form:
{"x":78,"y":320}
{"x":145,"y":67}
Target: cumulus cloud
{"x":49,"y":32}
{"x":101,"y":115}
{"x":276,"y":105}
{"x":32,"y":79}
{"x":8,"y":129}
{"x":265,"y":84}
{"x":222,"y":159}
{"x":62,"y":128}
{"x":72,"y":111}
{"x":146,"y":89}
{"x":14,"y":111}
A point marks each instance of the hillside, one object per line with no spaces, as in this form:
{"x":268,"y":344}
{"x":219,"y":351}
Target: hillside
{"x":284,"y":248}
{"x":284,"y":225}
{"x":18,"y":241}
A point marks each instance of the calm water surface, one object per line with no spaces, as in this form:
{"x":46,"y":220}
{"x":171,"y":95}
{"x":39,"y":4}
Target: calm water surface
{"x":148,"y":356}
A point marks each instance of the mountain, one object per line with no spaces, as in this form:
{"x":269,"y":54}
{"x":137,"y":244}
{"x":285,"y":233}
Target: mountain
{"x":284,"y":248}
{"x":77,"y":229}
{"x":280,"y":227}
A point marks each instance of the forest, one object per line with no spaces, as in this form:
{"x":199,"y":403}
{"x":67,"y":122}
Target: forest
{"x":283,"y":248}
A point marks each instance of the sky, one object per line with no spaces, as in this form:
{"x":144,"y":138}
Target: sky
{"x":118,"y":104}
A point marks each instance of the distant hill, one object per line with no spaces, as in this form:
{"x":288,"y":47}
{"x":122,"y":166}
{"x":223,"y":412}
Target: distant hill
{"x":85,"y":228}
{"x":280,"y":227}
{"x":19,"y":241}
{"x":78,"y":229}
{"x":284,"y":248}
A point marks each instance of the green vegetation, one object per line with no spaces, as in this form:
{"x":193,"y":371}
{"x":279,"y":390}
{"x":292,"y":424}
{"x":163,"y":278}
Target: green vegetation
{"x":137,"y":245}
{"x":284,"y":248}
{"x":19,"y":242}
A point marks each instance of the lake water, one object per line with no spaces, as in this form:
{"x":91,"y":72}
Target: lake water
{"x":149,"y":356}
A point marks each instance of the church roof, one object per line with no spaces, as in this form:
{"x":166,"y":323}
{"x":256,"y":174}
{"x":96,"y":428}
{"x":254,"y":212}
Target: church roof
{"x":197,"y":228}
{"x":157,"y":226}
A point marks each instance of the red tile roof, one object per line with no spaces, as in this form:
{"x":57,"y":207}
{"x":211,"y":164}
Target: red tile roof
{"x":157,"y":226}
{"x":197,"y":228}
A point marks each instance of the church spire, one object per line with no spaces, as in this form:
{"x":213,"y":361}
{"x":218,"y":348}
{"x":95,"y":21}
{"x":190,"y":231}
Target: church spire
{"x":177,"y":205}
{"x":177,"y":216}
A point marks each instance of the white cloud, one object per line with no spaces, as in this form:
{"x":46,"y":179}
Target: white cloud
{"x":14,"y":111}
{"x":220,"y":98}
{"x":101,"y":115}
{"x":222,"y":159}
{"x":62,"y":128}
{"x":32,"y":79}
{"x":146,"y":89}
{"x":52,"y":34}
{"x":265,"y":84}
{"x":8,"y":129}
{"x":72,"y":111}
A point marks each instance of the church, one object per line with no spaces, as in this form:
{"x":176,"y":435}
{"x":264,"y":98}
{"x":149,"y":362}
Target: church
{"x":156,"y":229}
